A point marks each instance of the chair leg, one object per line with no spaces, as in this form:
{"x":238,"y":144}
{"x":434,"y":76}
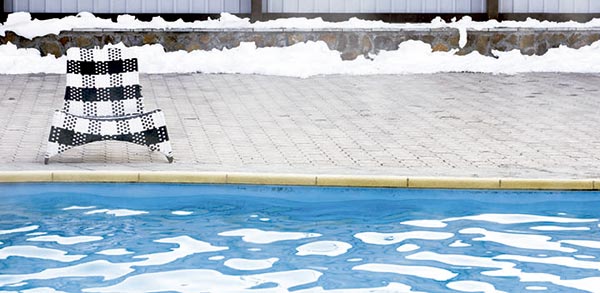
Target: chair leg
{"x":170,"y":159}
{"x":46,"y":160}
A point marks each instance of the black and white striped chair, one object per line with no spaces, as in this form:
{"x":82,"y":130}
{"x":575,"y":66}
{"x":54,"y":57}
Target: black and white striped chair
{"x":103,"y":101}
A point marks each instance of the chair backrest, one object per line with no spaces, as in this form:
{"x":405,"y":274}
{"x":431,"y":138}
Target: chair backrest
{"x":102,"y":82}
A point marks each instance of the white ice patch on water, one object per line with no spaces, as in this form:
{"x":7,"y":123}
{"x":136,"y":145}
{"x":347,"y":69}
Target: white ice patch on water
{"x":583,"y":256}
{"x":117,"y":212}
{"x":36,"y":233}
{"x":559,"y":228}
{"x":216,"y":257}
{"x":41,"y":290}
{"x":390,"y":288}
{"x":417,"y":271}
{"x":79,"y":208}
{"x":265,"y":237}
{"x":65,"y":240}
{"x":115,"y":251}
{"x":38,"y":252}
{"x":19,"y":230}
{"x":200,"y":280}
{"x":393,"y":238}
{"x":264,"y":219}
{"x":536,"y":288}
{"x":186,"y":246}
{"x":525,"y":241}
{"x":555,"y":260}
{"x":459,"y":243}
{"x":507,"y":269}
{"x":357,"y":259}
{"x":519,"y":218}
{"x":461,"y":260}
{"x":407,"y":247}
{"x":181,"y":213}
{"x":425,"y":223}
{"x":473,"y":286}
{"x":243,"y":264}
{"x":327,"y":248}
{"x":583,"y":243}
{"x":97,"y":268}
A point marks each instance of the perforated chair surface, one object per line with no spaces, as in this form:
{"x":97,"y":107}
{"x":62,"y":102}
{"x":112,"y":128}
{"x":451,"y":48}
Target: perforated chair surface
{"x":103,"y":101}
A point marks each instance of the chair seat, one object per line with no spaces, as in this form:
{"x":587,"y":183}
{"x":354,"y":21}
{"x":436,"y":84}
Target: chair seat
{"x":146,"y":129}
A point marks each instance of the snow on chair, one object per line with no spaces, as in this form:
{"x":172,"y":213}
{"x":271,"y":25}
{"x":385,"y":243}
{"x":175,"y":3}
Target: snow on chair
{"x":103,"y":101}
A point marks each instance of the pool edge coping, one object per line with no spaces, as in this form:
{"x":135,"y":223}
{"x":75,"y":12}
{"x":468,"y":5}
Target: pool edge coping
{"x":382,"y":181}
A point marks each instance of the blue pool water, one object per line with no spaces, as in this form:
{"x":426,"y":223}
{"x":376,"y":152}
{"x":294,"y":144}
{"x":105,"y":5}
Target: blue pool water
{"x":227,"y":238}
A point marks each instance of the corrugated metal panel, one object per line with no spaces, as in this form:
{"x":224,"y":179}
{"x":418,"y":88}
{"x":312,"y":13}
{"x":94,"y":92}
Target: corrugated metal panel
{"x":550,"y":6}
{"x":129,"y":6}
{"x":370,"y":6}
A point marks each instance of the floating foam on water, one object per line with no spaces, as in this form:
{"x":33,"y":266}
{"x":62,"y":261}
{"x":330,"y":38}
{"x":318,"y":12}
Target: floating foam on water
{"x":265,"y":237}
{"x":559,"y":228}
{"x":187,"y":246}
{"x":181,"y":213}
{"x":117,"y":212}
{"x":354,"y":259}
{"x":519,"y":219}
{"x":525,"y":241}
{"x":38,"y":252}
{"x":425,"y":223}
{"x":536,"y":288}
{"x":417,"y":271}
{"x":200,"y":280}
{"x":459,"y":243}
{"x":264,"y":219}
{"x":65,"y":240}
{"x":393,"y":238}
{"x":79,"y":208}
{"x":19,"y":230}
{"x":327,"y":248}
{"x":473,"y":286}
{"x":216,"y":257}
{"x":115,"y":251}
{"x":36,"y":233}
{"x":243,"y":264}
{"x":407,"y":247}
{"x":583,"y":243}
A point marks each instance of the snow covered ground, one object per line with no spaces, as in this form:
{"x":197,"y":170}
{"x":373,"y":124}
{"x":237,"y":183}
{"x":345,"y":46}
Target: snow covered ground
{"x":304,"y":59}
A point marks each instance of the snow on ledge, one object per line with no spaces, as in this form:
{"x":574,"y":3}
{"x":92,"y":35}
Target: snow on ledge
{"x":315,"y":58}
{"x":22,"y":24}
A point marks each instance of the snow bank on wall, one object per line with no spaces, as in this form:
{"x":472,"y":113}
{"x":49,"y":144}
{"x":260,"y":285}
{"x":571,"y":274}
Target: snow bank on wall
{"x":22,"y":24}
{"x":315,"y":58}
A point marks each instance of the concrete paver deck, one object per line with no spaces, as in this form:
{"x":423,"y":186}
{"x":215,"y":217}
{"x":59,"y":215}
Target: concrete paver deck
{"x":542,"y":125}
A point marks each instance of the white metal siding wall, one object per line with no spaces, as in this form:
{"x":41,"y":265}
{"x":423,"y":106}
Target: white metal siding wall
{"x":374,"y":6}
{"x":130,"y":6}
{"x":549,"y":6}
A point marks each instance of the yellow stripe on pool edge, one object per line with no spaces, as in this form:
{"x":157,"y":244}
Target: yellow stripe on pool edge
{"x":299,"y":179}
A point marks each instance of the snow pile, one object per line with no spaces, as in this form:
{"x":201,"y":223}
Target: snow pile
{"x":315,"y":58}
{"x":22,"y":24}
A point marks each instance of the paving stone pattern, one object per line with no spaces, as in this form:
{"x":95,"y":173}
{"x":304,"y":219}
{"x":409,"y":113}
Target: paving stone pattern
{"x":542,"y":125}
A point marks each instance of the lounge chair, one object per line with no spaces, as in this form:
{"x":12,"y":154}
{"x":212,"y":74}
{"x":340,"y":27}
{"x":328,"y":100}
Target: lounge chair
{"x":103,"y":101}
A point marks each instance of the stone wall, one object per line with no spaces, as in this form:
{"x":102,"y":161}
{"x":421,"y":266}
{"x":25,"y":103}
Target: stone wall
{"x":351,"y":43}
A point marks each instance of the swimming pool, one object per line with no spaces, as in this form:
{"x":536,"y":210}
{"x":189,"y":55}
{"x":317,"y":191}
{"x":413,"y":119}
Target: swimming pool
{"x":232,"y":238}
